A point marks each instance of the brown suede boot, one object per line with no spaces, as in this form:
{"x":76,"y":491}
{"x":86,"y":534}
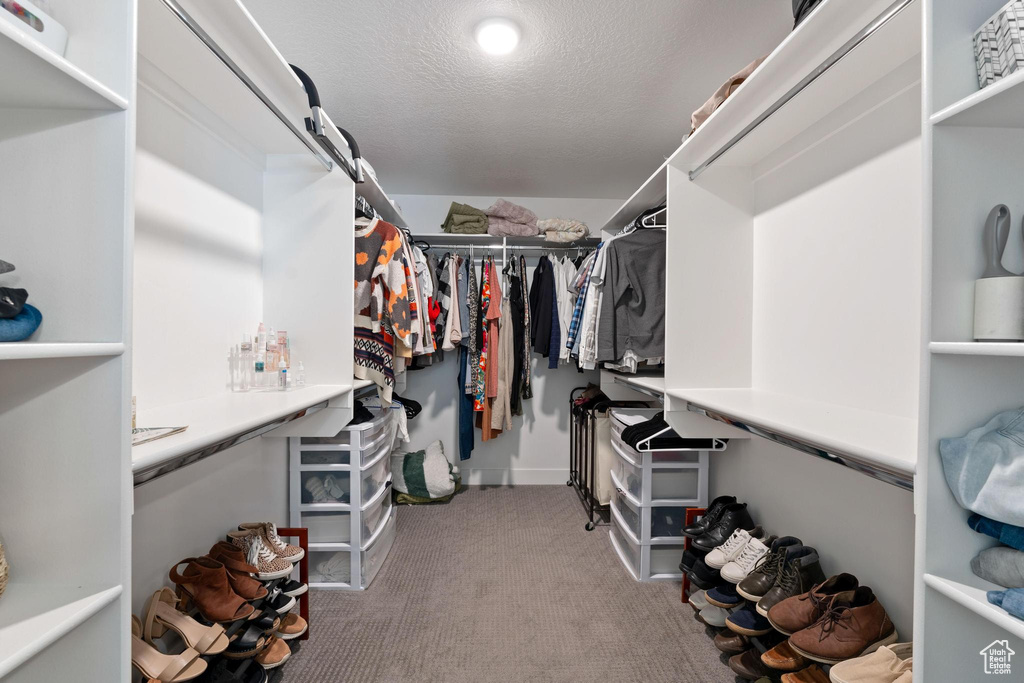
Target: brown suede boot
{"x":205,"y":584}
{"x":850,"y":628}
{"x":800,"y":611}
{"x":239,"y":571}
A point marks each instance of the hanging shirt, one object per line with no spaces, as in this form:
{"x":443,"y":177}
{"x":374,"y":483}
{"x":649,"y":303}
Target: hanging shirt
{"x":633,"y":307}
{"x":493,"y":316}
{"x":527,"y":389}
{"x":485,"y":302}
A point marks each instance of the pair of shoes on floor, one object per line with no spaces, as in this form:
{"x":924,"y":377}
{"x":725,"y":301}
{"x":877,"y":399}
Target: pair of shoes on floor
{"x":161,"y":615}
{"x":738,"y":556}
{"x":723,"y":516}
{"x":264,"y":549}
{"x":788,"y":568}
{"x":327,"y":489}
{"x":888,"y":664}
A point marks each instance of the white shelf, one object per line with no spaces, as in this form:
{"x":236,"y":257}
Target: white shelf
{"x":875,"y":439}
{"x":35,"y":77}
{"x":313,"y":547}
{"x":33,"y":350}
{"x":218,"y":418}
{"x":996,"y":106}
{"x":359,"y":384}
{"x":978,"y":348}
{"x":973,"y":598}
{"x":648,"y":382}
{"x":496,"y":241}
{"x":33,"y":617}
{"x":830,"y":26}
{"x":372,"y":192}
{"x":652,"y":193}
{"x":168,"y":45}
{"x":325,"y":507}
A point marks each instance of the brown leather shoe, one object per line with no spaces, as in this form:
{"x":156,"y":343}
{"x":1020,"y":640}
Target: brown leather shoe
{"x":783,"y":658}
{"x":205,"y":584}
{"x":731,"y":643}
{"x":748,"y":665}
{"x":850,"y":628}
{"x":812,"y":674}
{"x":800,"y":611}
{"x":239,"y":571}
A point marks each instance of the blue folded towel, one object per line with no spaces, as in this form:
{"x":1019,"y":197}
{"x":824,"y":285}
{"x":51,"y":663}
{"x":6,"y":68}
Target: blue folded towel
{"x":1011,"y":600}
{"x":21,"y":326}
{"x":1007,"y":534}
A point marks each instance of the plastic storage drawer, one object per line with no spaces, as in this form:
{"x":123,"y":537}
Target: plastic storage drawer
{"x":328,"y":527}
{"x":330,"y":567}
{"x":327,"y":487}
{"x":665,"y":561}
{"x":375,"y":475}
{"x":667,"y":457}
{"x":621,"y":418}
{"x":629,"y":516}
{"x":376,"y":511}
{"x":627,"y":551}
{"x":359,"y":443}
{"x":628,"y":474}
{"x":377,"y":549}
{"x":667,"y":521}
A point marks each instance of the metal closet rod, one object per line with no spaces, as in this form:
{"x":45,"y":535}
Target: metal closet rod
{"x":212,"y":45}
{"x":833,"y":59}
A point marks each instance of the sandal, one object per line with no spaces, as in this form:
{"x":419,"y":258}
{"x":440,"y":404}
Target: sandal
{"x":161,"y":615}
{"x":205,"y":585}
{"x":248,"y":642}
{"x":268,"y":620}
{"x":239,"y":570}
{"x":164,"y":668}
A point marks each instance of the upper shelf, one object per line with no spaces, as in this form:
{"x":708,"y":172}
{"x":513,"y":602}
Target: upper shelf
{"x":996,"y":106}
{"x":371,"y":191}
{"x":880,"y":445}
{"x":36,"y":77}
{"x":167,"y":43}
{"x":796,"y":74}
{"x":652,"y":193}
{"x":497,"y":242}
{"x":36,"y":350}
{"x":220,"y":421}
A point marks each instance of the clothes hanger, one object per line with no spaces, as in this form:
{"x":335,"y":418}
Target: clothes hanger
{"x":648,"y":220}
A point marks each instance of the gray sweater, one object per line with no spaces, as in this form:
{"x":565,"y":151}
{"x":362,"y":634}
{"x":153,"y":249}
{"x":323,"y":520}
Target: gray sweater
{"x":633,"y":305}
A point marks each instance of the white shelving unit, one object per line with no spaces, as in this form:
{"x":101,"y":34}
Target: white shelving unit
{"x":65,"y":398}
{"x":973,"y":144}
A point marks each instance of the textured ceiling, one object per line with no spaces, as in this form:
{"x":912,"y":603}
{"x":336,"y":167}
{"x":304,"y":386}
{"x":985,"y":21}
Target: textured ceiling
{"x":597,"y":95}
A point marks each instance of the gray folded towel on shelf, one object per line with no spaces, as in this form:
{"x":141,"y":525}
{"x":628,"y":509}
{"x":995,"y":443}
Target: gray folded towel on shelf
{"x":1001,"y":565}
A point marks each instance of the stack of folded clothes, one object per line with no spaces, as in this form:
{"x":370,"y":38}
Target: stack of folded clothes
{"x":463,"y":219}
{"x":984,"y":469}
{"x":18,"y":320}
{"x":563,"y":229}
{"x":506,"y":219}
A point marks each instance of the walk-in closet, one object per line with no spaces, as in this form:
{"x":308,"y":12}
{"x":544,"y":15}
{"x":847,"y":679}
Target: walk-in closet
{"x":664,"y":341}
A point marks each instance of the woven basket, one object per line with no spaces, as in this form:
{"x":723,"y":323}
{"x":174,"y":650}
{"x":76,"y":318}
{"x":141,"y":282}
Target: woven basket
{"x":3,"y":570}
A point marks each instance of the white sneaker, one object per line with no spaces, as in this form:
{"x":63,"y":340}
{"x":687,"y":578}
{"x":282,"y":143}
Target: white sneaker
{"x":728,"y":551}
{"x":737,"y":570}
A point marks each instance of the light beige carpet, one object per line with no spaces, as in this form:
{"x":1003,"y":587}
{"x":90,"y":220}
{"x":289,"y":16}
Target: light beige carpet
{"x":504,"y":584}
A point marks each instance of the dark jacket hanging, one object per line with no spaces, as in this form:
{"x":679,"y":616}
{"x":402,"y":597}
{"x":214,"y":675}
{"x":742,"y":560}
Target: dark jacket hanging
{"x":542,"y":293}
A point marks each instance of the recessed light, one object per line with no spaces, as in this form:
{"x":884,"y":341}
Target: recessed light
{"x":497,"y":36}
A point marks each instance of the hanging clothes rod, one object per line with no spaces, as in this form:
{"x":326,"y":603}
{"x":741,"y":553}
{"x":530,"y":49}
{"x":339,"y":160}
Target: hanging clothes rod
{"x":212,"y":45}
{"x":833,"y":59}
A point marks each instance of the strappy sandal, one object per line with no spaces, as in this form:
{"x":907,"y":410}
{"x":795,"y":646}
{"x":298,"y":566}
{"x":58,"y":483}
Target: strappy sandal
{"x":268,"y":620}
{"x":205,"y":585}
{"x":248,"y":642}
{"x":160,"y":615}
{"x":239,"y":570}
{"x":164,"y":668}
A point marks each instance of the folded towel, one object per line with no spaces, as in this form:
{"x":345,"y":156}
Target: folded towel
{"x":1001,"y":566}
{"x":511,"y":220}
{"x":463,"y":219}
{"x":563,"y":229}
{"x":1012,"y":601}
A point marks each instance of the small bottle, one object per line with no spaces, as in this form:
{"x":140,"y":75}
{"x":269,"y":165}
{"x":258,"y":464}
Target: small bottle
{"x":260,"y":380}
{"x":245,"y":364}
{"x":282,"y":376}
{"x":300,"y":376}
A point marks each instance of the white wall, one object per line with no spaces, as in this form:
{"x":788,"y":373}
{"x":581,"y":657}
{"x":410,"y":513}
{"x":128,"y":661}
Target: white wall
{"x":536,"y":449}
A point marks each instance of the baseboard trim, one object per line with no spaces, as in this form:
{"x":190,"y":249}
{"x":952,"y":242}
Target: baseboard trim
{"x":502,"y":476}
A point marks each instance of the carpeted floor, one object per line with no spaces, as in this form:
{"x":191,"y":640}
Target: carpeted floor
{"x":504,"y":584}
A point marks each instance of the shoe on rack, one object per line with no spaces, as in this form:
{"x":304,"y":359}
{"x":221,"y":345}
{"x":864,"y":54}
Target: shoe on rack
{"x":800,"y":611}
{"x":292,"y":626}
{"x":850,"y":628}
{"x":799,"y":572}
{"x":734,"y":516}
{"x":205,"y":585}
{"x":239,"y":571}
{"x":762,"y":577}
{"x":703,"y":576}
{"x":737,"y":569}
{"x":714,"y":616}
{"x":782,"y":657}
{"x":160,"y":615}
{"x":698,"y":600}
{"x":812,"y":674}
{"x":710,"y":517}
{"x":293,"y":588}
{"x":160,"y":667}
{"x":731,"y":549}
{"x":247,"y":642}
{"x":257,"y":553}
{"x":888,"y":664}
{"x":748,"y":622}
{"x":280,"y":603}
{"x":690,"y":557}
{"x":731,"y":643}
{"x":724,"y":596}
{"x":274,"y":654}
{"x":292,"y":553}
{"x":748,"y":665}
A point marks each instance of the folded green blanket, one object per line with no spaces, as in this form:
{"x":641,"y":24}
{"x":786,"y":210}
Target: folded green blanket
{"x":463,"y":219}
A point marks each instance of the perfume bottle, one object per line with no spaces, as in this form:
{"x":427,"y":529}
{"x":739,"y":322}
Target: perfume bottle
{"x":282,"y":376}
{"x":260,"y":376}
{"x":245,"y":364}
{"x":300,"y":375}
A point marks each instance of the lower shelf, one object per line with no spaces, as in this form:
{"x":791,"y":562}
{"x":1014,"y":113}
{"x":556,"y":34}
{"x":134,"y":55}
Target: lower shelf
{"x":973,"y":598}
{"x":33,"y":617}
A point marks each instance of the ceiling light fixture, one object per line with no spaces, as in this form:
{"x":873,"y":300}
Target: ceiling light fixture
{"x":497,"y":36}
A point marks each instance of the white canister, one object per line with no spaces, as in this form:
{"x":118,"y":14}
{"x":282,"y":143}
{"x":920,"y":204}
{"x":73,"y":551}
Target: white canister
{"x":34,"y":22}
{"x":999,"y":309}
